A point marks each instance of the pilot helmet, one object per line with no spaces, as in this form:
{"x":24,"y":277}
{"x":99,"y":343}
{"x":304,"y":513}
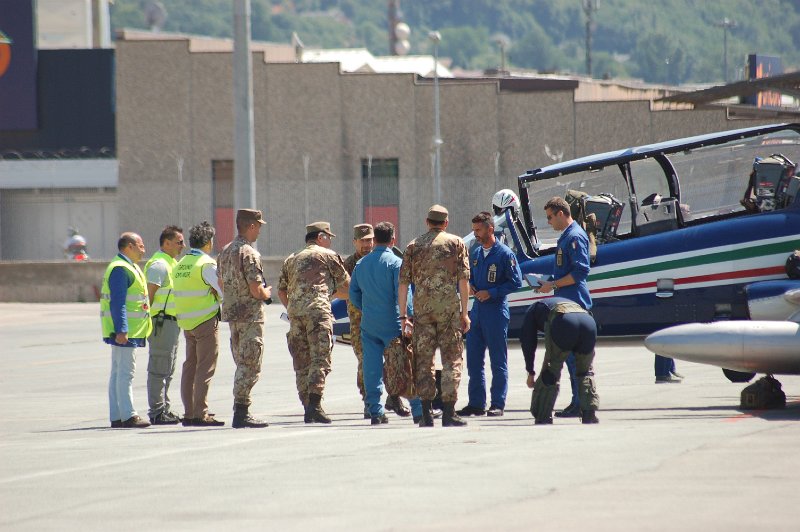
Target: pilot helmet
{"x":505,"y":199}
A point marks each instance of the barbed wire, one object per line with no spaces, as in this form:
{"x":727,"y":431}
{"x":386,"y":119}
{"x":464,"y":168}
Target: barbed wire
{"x":83,"y":152}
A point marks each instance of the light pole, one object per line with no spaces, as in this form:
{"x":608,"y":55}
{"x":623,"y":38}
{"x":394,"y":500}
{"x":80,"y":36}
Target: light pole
{"x":244,"y":183}
{"x":589,"y":8}
{"x":436,"y":37}
{"x":726,"y":24}
{"x":502,"y":41}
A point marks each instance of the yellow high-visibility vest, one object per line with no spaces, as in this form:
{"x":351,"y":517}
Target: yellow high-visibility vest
{"x":195,"y":303}
{"x":136,"y":303}
{"x":163,"y":298}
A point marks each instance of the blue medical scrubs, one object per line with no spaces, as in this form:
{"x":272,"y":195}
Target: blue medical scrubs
{"x":373,"y":290}
{"x":572,"y":256}
{"x":497,"y":272}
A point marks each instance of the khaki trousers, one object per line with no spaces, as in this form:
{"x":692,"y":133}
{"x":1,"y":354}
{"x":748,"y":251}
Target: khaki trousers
{"x":202,"y":350}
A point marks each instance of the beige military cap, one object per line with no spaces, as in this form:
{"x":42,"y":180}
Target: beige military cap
{"x":437,"y":213}
{"x":363,"y":231}
{"x":323,"y":227}
{"x":250,"y":216}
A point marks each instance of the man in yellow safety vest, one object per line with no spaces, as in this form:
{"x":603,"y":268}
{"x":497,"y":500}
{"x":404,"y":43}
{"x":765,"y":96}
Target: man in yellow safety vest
{"x":125,"y":320}
{"x":163,"y":342}
{"x":197,"y":309}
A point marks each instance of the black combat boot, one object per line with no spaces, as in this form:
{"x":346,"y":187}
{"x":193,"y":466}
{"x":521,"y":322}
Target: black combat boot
{"x":314,"y":411}
{"x":242,"y":418}
{"x":427,"y":415}
{"x":437,"y":401}
{"x":588,"y":417}
{"x":449,"y":416}
{"x":399,"y":408}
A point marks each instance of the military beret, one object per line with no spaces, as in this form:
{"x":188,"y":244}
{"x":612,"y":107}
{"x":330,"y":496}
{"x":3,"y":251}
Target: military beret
{"x":437,"y":213}
{"x":319,"y":227}
{"x":250,"y":216}
{"x":363,"y":231}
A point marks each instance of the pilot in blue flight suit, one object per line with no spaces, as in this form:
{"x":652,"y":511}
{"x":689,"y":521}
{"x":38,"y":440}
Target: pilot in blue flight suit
{"x":373,"y":290}
{"x":494,"y":274}
{"x":570,"y":273}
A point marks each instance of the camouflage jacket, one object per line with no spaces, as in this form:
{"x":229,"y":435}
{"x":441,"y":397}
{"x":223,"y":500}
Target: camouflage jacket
{"x":309,"y":278}
{"x":352,"y":312}
{"x":238,"y":265}
{"x":434,"y":263}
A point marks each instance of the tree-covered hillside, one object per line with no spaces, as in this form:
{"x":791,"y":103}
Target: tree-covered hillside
{"x":664,"y":41}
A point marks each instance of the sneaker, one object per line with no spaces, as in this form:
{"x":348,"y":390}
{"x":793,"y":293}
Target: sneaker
{"x":173,"y":415}
{"x":470,"y":410}
{"x":379,"y":420}
{"x":208,"y":421}
{"x":572,"y":410}
{"x":676,"y":374}
{"x":494,"y":411}
{"x":135,"y":422}
{"x":165,"y":418}
{"x":667,"y":379}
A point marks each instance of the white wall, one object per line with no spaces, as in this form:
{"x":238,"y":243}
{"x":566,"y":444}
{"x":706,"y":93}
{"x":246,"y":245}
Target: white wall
{"x":34,"y":222}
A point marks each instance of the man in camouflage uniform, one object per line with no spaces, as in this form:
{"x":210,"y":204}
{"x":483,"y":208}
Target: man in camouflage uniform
{"x":568,"y":328}
{"x":245,"y":292}
{"x":436,"y":263}
{"x":308,"y":280}
{"x":362,"y":242}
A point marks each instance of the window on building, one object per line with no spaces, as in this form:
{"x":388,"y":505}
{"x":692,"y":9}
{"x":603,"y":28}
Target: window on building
{"x":380,"y":191}
{"x":224,"y":223}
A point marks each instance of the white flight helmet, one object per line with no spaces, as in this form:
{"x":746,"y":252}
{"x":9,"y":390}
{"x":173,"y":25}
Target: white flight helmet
{"x":505,"y":199}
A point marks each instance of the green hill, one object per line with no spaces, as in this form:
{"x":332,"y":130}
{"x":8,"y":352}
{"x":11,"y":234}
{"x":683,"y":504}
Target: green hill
{"x":664,"y":41}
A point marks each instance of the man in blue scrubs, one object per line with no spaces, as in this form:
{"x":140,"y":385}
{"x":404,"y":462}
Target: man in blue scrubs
{"x":373,"y":290}
{"x":570,"y":273}
{"x":494,"y":274}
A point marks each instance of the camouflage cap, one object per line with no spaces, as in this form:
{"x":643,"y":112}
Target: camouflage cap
{"x":363,"y":231}
{"x":319,"y":227}
{"x":249,"y":216}
{"x":437,"y":213}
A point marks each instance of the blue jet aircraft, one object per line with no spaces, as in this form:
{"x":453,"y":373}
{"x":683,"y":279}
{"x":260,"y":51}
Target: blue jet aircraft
{"x":689,"y":230}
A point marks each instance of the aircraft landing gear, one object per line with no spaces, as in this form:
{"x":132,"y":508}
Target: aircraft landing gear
{"x":738,"y":376}
{"x":764,"y":394}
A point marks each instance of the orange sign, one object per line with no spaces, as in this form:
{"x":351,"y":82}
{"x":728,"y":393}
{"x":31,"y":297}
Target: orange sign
{"x":5,"y":53}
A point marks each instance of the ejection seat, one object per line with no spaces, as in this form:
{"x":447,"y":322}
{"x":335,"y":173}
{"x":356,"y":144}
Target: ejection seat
{"x":656,"y":215}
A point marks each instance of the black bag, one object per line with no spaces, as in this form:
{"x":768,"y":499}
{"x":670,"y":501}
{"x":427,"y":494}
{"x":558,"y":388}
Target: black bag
{"x":764,"y":394}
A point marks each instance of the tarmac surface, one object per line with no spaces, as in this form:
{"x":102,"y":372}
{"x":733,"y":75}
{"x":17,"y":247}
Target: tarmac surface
{"x":664,"y":457}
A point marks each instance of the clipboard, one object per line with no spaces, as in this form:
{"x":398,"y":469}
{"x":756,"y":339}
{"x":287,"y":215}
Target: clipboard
{"x":534,"y":280}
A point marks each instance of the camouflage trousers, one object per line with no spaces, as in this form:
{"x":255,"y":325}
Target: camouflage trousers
{"x":444,"y":333}
{"x":358,"y":348}
{"x":310,"y":340}
{"x":545,"y":389}
{"x":247,"y":347}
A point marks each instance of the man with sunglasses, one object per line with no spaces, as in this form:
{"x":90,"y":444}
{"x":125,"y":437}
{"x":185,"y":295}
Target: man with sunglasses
{"x":570,"y":272}
{"x":164,"y":338}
